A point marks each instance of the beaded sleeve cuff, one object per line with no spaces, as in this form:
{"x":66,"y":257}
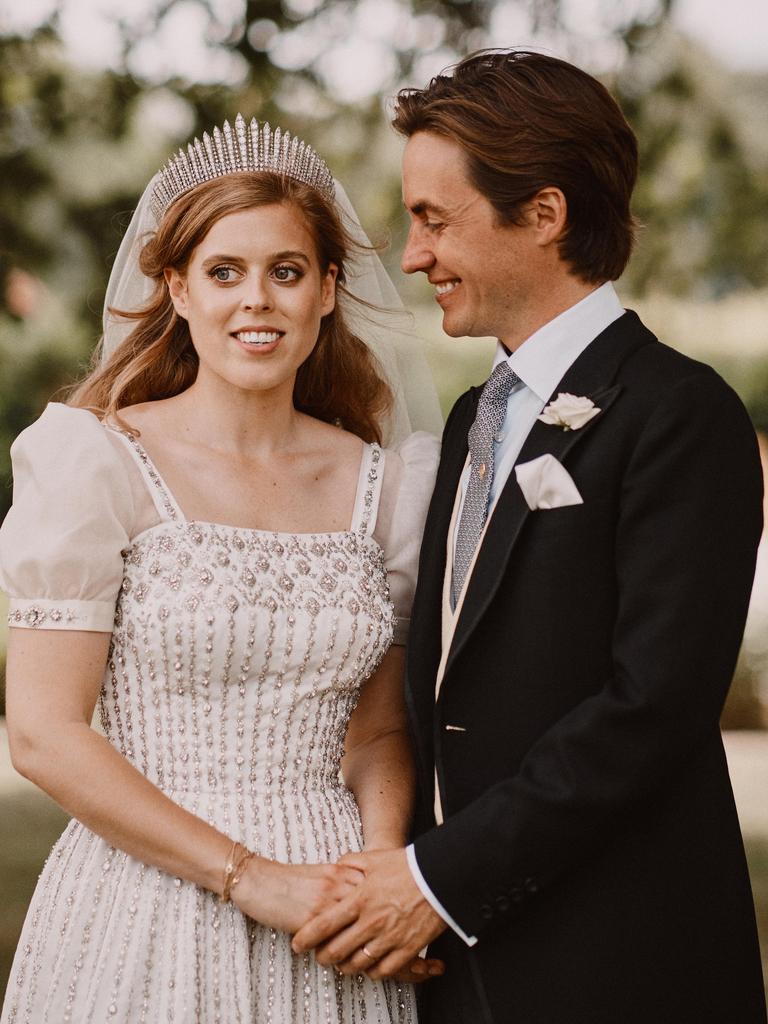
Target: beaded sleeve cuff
{"x":92,"y":616}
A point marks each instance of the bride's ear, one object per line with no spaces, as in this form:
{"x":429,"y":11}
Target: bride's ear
{"x":177,"y":289}
{"x":328,"y":290}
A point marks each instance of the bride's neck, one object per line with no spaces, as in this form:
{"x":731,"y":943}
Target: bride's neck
{"x":257,"y":423}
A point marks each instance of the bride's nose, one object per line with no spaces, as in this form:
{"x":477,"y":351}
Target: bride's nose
{"x":256,"y":295}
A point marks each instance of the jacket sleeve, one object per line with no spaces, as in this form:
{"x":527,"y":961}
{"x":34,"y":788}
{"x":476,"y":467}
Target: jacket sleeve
{"x":686,"y":541}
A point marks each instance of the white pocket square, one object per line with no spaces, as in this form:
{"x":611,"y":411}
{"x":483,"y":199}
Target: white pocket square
{"x":546,"y":483}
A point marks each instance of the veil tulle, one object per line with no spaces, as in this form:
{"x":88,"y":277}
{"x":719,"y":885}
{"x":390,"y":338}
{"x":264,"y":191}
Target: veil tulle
{"x":385,"y":329}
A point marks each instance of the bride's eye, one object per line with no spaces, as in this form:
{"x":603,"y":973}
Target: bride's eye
{"x":223,"y":274}
{"x":286,"y":273}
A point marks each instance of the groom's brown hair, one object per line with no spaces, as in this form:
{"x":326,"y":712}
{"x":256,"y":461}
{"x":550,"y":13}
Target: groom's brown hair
{"x":527,"y":121}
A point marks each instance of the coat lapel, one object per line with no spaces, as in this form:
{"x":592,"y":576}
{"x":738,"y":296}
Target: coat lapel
{"x":423,"y":652}
{"x":591,"y":375}
{"x":432,"y":556}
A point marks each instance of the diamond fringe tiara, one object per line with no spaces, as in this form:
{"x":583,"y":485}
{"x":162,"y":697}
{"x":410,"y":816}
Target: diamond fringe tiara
{"x":250,"y":147}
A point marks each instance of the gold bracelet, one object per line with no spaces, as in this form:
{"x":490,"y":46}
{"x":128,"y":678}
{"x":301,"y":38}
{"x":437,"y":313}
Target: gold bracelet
{"x":239,"y":856}
{"x":240,"y":869}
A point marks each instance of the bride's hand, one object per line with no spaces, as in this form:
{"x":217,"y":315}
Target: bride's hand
{"x":285,"y":896}
{"x":421,"y":969}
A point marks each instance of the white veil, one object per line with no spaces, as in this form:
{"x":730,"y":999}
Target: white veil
{"x":386,"y":330}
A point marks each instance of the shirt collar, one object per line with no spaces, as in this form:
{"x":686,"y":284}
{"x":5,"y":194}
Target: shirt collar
{"x":542,"y":360}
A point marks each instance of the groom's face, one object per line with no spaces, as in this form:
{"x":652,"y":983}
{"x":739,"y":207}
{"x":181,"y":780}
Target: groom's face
{"x":485,"y":273}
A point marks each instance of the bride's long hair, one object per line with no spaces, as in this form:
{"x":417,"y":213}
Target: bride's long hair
{"x":340,"y":382}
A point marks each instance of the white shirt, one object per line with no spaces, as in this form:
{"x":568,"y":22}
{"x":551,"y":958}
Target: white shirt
{"x":540,"y":362}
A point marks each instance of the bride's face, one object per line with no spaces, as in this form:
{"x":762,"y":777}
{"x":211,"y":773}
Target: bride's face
{"x":253,"y":295}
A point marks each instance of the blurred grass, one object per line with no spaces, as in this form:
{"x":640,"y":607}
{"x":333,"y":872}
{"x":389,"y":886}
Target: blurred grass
{"x":757,"y":856}
{"x":31,"y":825}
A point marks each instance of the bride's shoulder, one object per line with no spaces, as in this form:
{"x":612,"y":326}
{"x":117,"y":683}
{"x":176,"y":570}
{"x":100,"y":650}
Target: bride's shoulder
{"x":67,"y":447}
{"x":144,"y":416}
{"x":59,"y":430}
{"x":61,"y":542}
{"x":418,"y":454}
{"x":410,"y":468}
{"x":333,"y":441}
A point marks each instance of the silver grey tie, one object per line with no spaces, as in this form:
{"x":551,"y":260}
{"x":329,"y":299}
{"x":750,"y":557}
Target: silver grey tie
{"x":491,"y":411}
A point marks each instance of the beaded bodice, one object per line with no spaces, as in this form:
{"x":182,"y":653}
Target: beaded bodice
{"x":236,"y":659}
{"x":228,"y":671}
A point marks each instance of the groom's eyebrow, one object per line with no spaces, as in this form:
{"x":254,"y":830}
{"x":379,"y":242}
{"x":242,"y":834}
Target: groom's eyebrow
{"x":423,"y":205}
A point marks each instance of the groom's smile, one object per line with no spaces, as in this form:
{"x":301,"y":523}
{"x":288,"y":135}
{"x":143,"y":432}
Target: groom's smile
{"x":483,"y":270}
{"x":444,"y":288}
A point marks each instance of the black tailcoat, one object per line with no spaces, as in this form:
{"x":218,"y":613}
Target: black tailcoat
{"x":591,"y":842}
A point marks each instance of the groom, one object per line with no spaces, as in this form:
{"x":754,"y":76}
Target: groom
{"x":583,"y":586}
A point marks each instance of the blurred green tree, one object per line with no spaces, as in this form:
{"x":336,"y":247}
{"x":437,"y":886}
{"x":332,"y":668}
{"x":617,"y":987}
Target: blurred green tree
{"x":702,"y":194}
{"x":77,"y":146}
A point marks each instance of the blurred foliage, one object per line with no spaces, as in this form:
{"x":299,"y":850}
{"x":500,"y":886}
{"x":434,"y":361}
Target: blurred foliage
{"x":77,"y":147}
{"x":702,"y":194}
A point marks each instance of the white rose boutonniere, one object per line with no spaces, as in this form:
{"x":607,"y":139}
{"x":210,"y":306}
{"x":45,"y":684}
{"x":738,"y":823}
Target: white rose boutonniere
{"x":569,"y":411}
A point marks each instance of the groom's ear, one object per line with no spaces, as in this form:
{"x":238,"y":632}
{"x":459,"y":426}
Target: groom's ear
{"x":548,"y":214}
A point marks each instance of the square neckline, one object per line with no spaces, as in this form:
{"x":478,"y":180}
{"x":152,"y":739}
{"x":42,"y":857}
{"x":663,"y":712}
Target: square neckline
{"x":364,"y":509}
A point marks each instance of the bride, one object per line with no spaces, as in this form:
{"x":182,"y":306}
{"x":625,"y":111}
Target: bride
{"x":209,"y":544}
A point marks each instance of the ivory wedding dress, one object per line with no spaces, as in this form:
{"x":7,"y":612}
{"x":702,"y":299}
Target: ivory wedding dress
{"x":236,"y":660}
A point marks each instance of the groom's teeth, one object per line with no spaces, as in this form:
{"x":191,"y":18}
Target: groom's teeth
{"x":445,"y":286}
{"x":257,"y":337}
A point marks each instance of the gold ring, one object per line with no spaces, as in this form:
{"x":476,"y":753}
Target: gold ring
{"x":365,"y":952}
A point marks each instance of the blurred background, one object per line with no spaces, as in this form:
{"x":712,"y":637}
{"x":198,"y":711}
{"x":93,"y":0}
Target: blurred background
{"x":95,"y":94}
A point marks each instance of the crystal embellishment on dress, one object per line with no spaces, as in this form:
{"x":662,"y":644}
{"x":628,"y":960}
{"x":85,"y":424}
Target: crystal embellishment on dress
{"x":250,"y":147}
{"x":231,"y":693}
{"x":33,"y":616}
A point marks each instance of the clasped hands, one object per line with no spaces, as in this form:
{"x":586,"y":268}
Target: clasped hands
{"x":379,"y":925}
{"x":362,"y":914}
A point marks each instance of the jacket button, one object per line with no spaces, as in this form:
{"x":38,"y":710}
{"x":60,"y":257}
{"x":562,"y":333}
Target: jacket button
{"x":503,"y":904}
{"x":486,"y":911}
{"x":531,"y":885}
{"x":516,"y":894}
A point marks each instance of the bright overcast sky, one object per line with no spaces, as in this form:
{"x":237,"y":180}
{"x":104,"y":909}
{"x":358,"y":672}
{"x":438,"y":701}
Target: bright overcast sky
{"x":735,"y":31}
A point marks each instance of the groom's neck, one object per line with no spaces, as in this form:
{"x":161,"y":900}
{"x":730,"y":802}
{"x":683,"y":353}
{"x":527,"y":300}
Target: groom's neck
{"x":551,"y":299}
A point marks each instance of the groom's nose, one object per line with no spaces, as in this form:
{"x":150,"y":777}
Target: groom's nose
{"x":417,"y":254}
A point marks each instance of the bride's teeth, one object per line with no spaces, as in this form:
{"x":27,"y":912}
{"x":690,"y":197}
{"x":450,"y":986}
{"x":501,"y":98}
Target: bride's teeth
{"x":258,"y":337}
{"x":445,"y":287}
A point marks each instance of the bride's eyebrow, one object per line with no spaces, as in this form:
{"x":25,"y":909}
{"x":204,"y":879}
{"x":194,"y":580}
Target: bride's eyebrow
{"x":291,"y":254}
{"x":287,"y":254}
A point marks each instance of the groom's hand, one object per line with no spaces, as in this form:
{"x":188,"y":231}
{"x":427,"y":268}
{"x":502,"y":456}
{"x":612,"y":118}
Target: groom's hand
{"x":386,"y":914}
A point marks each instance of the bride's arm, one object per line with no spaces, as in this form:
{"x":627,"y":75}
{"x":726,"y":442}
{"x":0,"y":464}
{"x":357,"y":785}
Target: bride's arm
{"x":378,"y":760}
{"x":53,"y":680}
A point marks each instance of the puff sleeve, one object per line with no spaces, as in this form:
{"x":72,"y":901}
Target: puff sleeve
{"x":61,"y":543}
{"x":409,"y":478}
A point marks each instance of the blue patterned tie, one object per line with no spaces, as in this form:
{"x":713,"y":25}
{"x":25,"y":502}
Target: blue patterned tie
{"x":491,"y":411}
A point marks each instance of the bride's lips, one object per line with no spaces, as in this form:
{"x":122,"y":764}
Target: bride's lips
{"x":258,"y":340}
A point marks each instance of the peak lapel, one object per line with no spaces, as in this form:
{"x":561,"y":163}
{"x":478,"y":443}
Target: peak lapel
{"x":591,"y":375}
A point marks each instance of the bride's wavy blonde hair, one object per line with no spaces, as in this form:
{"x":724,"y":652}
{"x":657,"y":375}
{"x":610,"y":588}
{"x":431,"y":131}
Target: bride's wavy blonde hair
{"x":340,"y":382}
